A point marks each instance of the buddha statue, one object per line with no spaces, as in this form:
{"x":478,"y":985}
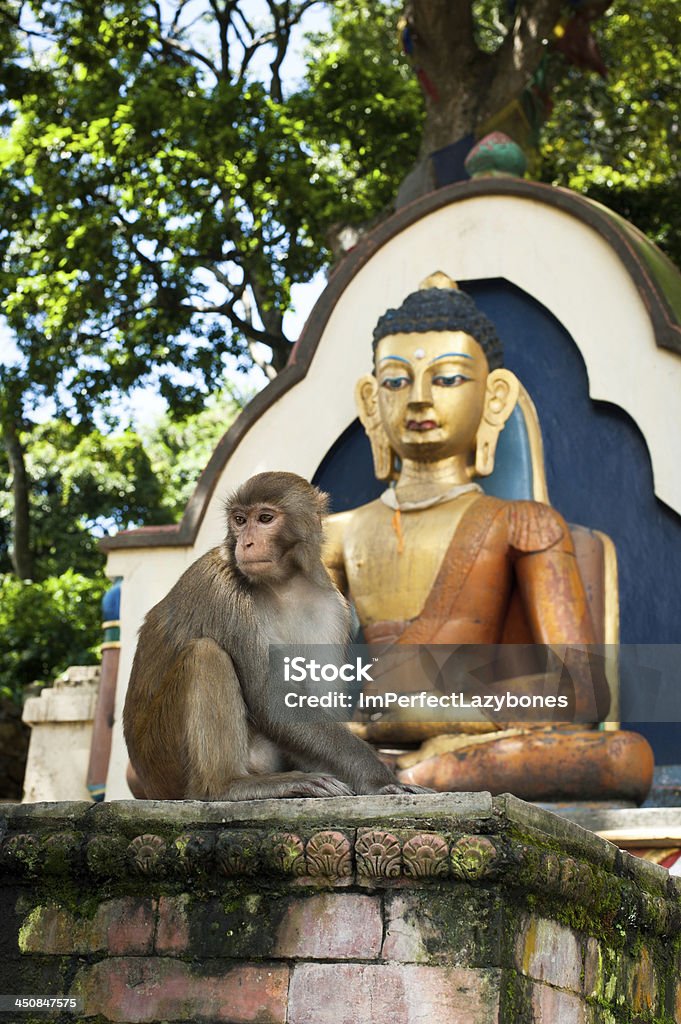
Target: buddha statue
{"x":436,"y":561}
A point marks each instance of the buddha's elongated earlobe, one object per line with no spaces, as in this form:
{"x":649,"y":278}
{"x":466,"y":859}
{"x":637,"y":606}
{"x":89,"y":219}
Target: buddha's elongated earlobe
{"x":500,"y":399}
{"x":366,"y":398}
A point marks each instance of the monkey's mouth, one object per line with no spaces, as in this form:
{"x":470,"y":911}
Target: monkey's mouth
{"x":421,"y":426}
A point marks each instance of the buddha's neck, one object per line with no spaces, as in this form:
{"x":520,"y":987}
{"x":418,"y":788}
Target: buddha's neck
{"x":423,"y":480}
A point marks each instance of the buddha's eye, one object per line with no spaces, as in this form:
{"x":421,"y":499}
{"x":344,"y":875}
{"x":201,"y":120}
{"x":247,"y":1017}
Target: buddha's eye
{"x":395,"y":383}
{"x":449,"y":381}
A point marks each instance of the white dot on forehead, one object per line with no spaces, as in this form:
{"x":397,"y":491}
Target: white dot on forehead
{"x":419,"y":353}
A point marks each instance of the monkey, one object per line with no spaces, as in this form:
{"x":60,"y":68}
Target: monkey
{"x":198,"y":717}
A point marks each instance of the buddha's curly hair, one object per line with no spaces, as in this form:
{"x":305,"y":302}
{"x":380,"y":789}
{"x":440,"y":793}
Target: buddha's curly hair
{"x":442,"y":309}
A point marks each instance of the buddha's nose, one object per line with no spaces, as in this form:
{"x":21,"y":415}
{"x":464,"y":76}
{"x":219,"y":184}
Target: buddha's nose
{"x":421,"y":392}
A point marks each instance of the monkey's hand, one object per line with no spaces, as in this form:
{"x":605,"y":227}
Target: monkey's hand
{"x":402,"y":787}
{"x":308,"y":785}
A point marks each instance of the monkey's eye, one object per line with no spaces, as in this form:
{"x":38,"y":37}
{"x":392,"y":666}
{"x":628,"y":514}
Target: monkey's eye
{"x":239,"y":519}
{"x":265,"y":517}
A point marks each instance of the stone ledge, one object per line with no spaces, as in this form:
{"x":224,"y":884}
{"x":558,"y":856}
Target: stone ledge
{"x":393,"y":909}
{"x":370,"y":842}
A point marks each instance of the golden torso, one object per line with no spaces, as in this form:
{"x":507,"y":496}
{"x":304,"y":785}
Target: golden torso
{"x":362,"y":553}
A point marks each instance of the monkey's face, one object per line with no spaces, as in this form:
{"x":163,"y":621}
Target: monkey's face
{"x":258,"y":532}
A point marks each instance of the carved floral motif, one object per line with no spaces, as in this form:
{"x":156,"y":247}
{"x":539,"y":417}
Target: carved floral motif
{"x":473,"y":858}
{"x":288,"y":854}
{"x":426,"y":856}
{"x":329,"y":854}
{"x":146,"y":853}
{"x":22,"y":851}
{"x":378,"y":855}
{"x":233,"y":856}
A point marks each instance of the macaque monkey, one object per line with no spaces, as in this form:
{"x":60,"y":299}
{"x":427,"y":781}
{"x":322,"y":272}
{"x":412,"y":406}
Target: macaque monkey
{"x":198,"y":716}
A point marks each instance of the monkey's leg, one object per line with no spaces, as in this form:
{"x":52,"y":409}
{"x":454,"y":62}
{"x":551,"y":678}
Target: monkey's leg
{"x":217,"y":738}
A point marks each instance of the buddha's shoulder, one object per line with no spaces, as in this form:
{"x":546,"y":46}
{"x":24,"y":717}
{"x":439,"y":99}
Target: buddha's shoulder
{"x":532,"y":525}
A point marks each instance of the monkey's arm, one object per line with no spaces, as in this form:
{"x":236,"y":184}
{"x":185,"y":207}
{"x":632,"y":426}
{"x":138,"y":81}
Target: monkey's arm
{"x":317,"y":744}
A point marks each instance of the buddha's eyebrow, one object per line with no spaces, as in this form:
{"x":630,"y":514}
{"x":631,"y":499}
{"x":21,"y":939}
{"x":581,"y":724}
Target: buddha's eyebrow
{"x":396,"y":359}
{"x":450,"y":355}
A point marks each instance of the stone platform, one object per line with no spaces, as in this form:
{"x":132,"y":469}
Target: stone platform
{"x":437,"y":909}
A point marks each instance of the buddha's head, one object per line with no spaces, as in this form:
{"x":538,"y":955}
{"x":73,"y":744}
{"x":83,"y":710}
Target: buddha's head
{"x":438,"y":388}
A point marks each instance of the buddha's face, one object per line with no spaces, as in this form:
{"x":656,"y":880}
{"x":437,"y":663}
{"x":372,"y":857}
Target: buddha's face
{"x":431,"y":392}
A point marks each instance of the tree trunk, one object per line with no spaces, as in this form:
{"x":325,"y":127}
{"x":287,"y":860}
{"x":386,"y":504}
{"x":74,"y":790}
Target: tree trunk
{"x":463,"y":86}
{"x":22,"y":556}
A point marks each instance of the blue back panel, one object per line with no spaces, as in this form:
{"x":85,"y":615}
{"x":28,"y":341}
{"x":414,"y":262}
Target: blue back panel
{"x":597,"y":467}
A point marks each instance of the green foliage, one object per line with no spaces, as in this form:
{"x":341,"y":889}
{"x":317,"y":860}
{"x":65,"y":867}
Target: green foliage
{"x":45,"y":627}
{"x":82,"y":485}
{"x":619,"y":140}
{"x":363,"y":110}
{"x":179,"y":450}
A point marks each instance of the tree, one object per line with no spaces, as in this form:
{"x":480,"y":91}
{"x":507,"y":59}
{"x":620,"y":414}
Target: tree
{"x":162,"y":189}
{"x":83,"y":487}
{"x":153,"y":214}
{"x":617,"y":139}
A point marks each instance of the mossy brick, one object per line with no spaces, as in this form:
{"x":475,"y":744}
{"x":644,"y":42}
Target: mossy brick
{"x":553,"y":1006}
{"x":549,"y":951}
{"x":238,"y":924}
{"x":141,"y":989}
{"x":462,"y":926}
{"x":345,"y":926}
{"x":677,"y":1002}
{"x":11,"y":921}
{"x":593,"y":968}
{"x":33,"y":975}
{"x":642,"y":984}
{"x":391,"y":993}
{"x":117,"y":927}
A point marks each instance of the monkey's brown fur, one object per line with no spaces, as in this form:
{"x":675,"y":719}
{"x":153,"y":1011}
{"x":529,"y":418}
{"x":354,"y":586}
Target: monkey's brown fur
{"x":198,"y":716}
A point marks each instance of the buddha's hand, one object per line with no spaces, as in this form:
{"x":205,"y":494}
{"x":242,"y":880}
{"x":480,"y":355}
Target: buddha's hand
{"x":402,"y":787}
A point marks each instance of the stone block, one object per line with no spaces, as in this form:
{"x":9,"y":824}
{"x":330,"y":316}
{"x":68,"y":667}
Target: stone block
{"x":172,"y":932}
{"x":392,"y":994}
{"x":120,"y":926}
{"x":548,"y":951}
{"x":551,"y":1006}
{"x":330,"y":927}
{"x":593,"y":968}
{"x":461,"y":927}
{"x":642,"y":985}
{"x":145,"y":989}
{"x":240,"y":924}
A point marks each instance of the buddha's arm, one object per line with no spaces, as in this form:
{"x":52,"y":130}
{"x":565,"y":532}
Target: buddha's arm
{"x":555,"y":602}
{"x":332,"y":551}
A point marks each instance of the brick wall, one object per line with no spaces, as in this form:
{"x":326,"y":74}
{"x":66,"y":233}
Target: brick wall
{"x":447,"y":908}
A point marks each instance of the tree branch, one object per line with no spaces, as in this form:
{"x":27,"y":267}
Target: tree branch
{"x":519,"y":55}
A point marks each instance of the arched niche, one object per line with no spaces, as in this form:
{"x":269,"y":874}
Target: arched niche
{"x":574,"y":290}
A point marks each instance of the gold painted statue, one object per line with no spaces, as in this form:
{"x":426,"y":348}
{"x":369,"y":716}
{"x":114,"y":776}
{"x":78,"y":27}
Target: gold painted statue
{"x":436,"y":561}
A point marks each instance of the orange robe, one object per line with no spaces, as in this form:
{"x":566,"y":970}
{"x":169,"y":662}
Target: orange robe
{"x":509,"y":576}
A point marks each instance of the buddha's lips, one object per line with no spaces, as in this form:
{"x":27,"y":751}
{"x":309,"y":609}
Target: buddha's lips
{"x":421,"y":425}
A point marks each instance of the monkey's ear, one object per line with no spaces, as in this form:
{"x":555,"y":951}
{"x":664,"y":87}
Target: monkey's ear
{"x":322,"y":502}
